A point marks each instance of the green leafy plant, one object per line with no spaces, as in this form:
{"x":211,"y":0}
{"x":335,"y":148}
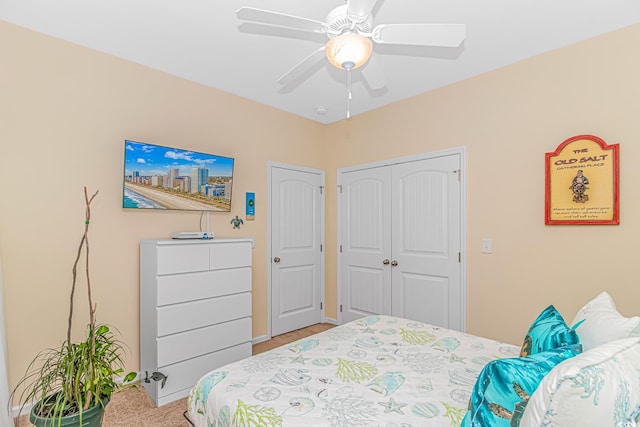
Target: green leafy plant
{"x":76,"y":376}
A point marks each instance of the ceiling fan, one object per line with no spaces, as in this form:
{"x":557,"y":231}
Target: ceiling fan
{"x":351,"y":35}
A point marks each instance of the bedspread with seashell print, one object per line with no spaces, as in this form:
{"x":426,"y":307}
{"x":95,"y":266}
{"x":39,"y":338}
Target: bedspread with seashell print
{"x":376,"y":371}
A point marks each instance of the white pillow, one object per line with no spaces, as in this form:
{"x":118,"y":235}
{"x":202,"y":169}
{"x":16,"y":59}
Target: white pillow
{"x":599,"y":388}
{"x":603,"y":323}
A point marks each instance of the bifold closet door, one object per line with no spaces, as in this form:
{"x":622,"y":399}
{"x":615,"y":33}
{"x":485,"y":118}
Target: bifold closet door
{"x":425,"y":229}
{"x":366,"y":243}
{"x":400,"y":233}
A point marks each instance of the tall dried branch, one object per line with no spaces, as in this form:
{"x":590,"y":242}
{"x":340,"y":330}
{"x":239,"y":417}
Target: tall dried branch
{"x":84,"y":243}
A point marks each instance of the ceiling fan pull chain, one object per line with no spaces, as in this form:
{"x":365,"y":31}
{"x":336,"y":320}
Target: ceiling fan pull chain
{"x":348,"y":93}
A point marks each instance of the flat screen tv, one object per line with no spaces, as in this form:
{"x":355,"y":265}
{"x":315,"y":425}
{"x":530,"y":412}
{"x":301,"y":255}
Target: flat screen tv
{"x":157,"y":177}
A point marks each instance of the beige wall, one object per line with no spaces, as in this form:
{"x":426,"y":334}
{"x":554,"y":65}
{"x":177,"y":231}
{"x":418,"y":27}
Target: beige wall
{"x":65,"y":111}
{"x":508,"y":119}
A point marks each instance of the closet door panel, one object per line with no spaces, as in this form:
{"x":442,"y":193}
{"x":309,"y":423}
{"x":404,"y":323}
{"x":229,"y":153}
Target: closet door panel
{"x":426,"y":240}
{"x":421,"y":297}
{"x":366,"y":243}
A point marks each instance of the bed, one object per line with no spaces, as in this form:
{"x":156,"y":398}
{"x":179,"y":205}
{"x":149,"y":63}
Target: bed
{"x":378,"y":370}
{"x":391,"y":372}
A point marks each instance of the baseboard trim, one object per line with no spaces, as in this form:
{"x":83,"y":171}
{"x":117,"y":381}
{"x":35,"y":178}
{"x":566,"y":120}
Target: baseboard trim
{"x":15,"y":411}
{"x":265,"y":337}
{"x":258,"y":340}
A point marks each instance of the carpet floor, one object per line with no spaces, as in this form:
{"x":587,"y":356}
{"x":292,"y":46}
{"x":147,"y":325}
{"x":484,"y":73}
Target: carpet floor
{"x":133,"y":407}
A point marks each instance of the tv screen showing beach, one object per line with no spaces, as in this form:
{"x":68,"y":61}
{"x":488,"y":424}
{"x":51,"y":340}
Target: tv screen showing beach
{"x":157,"y":177}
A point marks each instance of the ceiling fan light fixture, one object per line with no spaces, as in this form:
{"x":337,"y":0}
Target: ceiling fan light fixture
{"x":348,"y":50}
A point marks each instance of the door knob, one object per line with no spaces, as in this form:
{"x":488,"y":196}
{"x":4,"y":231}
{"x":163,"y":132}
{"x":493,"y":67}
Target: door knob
{"x":394,"y":263}
{"x":385,"y":262}
{"x":276,"y":259}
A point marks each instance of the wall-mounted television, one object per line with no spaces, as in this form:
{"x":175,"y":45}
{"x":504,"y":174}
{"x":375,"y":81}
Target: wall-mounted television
{"x":157,"y":177}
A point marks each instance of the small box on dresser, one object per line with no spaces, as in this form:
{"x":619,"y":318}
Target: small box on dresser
{"x":195,"y":311}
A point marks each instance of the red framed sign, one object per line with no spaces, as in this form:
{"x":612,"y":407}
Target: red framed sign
{"x":582,"y":182}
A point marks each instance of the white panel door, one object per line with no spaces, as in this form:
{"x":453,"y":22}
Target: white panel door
{"x":426,"y":280}
{"x":400,"y":237}
{"x":296,"y":258}
{"x":366,"y":243}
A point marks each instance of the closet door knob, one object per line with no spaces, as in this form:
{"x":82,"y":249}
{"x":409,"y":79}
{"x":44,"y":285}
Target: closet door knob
{"x":394,"y":263}
{"x":276,"y":259}
{"x":385,"y":262}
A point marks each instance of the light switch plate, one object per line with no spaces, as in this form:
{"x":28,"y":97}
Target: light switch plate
{"x":487,"y":246}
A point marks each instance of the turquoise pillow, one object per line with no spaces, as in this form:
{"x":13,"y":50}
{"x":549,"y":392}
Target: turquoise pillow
{"x":503,"y":388}
{"x":547,"y":332}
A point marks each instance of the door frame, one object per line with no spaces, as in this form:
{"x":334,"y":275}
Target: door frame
{"x":270,"y":166}
{"x":6,"y":418}
{"x":462,"y":152}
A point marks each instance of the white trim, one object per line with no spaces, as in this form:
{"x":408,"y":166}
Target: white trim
{"x":270,"y":166}
{"x":406,"y":159}
{"x":463,"y":236}
{"x":330,"y":320}
{"x":5,"y":418}
{"x":462,"y":152}
{"x":15,"y":411}
{"x":258,"y":340}
{"x":339,"y":173}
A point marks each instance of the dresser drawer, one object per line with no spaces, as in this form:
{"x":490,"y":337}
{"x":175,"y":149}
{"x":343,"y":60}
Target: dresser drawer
{"x":182,"y":259}
{"x":229,"y":255}
{"x":181,"y":377}
{"x":196,"y":314}
{"x":178,"y":347}
{"x":194,"y":286}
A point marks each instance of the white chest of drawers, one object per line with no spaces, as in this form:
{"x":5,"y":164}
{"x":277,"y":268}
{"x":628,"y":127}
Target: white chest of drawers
{"x":195,"y":311}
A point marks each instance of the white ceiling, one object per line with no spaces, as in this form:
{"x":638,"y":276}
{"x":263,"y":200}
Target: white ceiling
{"x":203,"y":41}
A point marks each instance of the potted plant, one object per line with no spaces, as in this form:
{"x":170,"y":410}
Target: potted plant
{"x":72,"y":384}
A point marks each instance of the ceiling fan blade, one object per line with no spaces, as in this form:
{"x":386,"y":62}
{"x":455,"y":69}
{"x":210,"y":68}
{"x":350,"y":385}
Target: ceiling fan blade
{"x":361,"y":8}
{"x":302,"y":67}
{"x":280,"y":19}
{"x":445,"y":35}
{"x":373,"y":74}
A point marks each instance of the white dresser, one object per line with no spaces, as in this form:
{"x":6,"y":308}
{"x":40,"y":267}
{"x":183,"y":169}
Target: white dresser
{"x":195,"y":311}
